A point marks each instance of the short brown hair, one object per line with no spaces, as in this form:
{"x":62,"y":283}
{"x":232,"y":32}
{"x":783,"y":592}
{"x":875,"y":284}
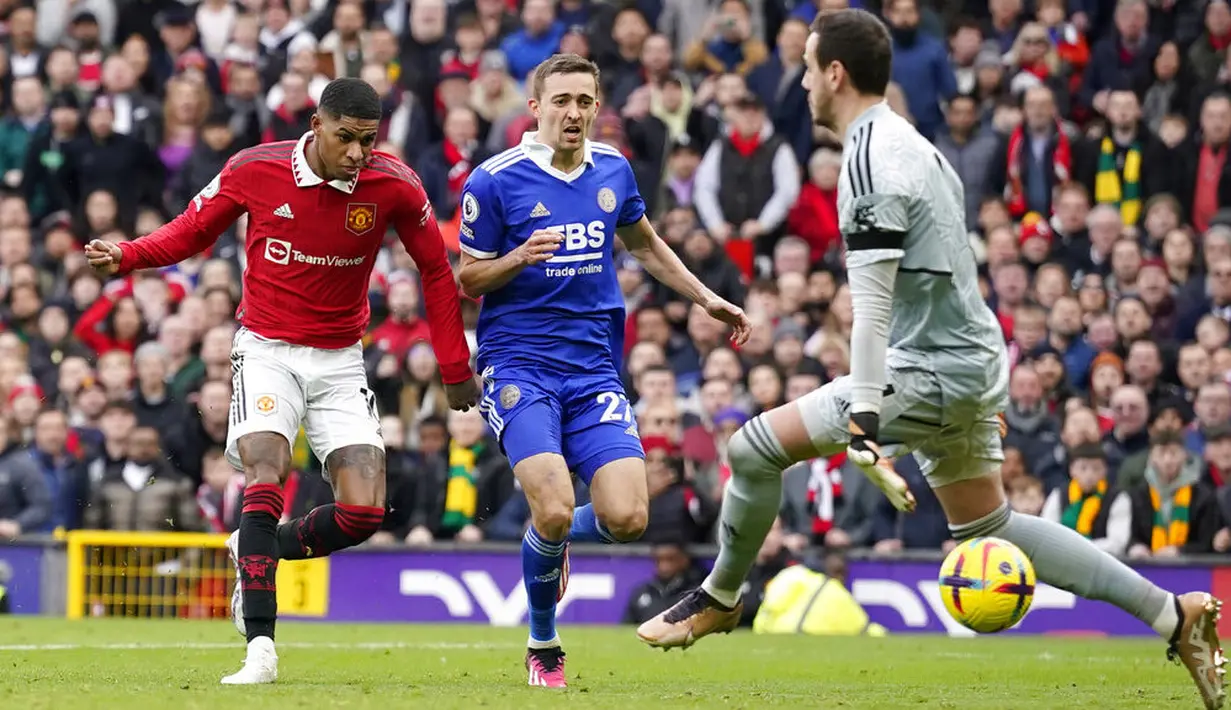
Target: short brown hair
{"x":562,"y":64}
{"x":860,"y":42}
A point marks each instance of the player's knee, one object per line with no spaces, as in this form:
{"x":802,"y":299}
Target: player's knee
{"x":552,"y":519}
{"x":266,"y":457}
{"x":748,"y":458}
{"x":626,"y":525}
{"x":358,"y":475}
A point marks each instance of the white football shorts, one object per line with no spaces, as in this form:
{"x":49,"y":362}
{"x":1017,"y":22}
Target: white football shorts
{"x":947,"y":421}
{"x":277,"y":387}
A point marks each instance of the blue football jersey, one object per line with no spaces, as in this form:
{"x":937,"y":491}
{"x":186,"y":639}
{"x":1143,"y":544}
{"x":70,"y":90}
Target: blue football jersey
{"x":566,"y":313}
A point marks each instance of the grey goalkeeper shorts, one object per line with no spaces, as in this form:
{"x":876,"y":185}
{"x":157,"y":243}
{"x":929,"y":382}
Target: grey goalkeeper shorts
{"x":942,"y":407}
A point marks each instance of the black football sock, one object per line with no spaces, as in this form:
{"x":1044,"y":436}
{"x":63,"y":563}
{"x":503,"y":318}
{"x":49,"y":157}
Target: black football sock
{"x":258,"y":557}
{"x":327,"y":529}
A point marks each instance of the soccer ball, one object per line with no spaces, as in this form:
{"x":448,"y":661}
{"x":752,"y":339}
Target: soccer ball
{"x":987,"y":584}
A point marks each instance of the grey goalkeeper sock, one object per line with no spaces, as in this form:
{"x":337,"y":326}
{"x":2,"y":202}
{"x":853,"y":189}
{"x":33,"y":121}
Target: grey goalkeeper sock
{"x":1065,"y":559}
{"x":749,"y":507}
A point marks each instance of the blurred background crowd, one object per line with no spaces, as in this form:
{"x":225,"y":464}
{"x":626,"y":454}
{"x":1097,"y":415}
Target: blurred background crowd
{"x":1091,"y":136}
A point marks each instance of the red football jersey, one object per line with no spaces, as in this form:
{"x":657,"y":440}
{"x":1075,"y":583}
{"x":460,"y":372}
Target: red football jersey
{"x":311,"y":246}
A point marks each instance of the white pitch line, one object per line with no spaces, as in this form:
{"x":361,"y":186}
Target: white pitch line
{"x":374,"y":646}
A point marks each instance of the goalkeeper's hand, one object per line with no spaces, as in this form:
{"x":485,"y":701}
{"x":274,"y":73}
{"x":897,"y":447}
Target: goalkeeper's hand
{"x":865,"y":452}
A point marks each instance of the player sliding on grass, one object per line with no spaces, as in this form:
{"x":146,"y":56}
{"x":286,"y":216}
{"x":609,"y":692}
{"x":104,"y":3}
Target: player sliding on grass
{"x":318,"y":209}
{"x":937,"y":392}
{"x":538,"y":223}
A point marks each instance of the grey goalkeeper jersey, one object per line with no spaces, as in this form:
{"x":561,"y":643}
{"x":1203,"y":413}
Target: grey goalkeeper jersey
{"x":898,"y":198}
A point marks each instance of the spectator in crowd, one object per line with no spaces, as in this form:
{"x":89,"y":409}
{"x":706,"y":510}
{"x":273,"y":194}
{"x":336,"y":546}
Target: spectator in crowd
{"x":1037,"y":157}
{"x":1122,"y":57}
{"x":1130,"y":412}
{"x":1089,"y":504}
{"x":143,"y":492}
{"x":968,"y":148}
{"x":747,"y":180}
{"x":1167,"y":417}
{"x":1212,"y":407}
{"x":728,"y":42}
{"x":1208,"y":53}
{"x":61,"y":469}
{"x":25,"y":501}
{"x":1173,"y":510}
{"x":1200,"y":169}
{"x":537,"y":40}
{"x":675,"y":573}
{"x":778,"y":83}
{"x":920,"y":66}
{"x":1031,"y":429}
{"x":476,"y":482}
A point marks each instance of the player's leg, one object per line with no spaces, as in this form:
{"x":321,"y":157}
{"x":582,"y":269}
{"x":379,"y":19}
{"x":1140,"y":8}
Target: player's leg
{"x":758,"y":454}
{"x":357,"y":474}
{"x":602,"y":447}
{"x":343,"y":428}
{"x":619,"y":506}
{"x":526,"y":420}
{"x":972,"y":495}
{"x":266,"y":408}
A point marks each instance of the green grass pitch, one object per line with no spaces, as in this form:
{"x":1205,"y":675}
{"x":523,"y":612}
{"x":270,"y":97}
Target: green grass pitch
{"x":54,"y":664}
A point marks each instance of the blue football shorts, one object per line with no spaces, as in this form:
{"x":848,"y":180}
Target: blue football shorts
{"x":586,"y":418}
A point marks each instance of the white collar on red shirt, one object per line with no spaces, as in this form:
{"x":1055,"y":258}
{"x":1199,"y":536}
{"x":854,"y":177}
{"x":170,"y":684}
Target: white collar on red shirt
{"x":541,"y":154}
{"x":304,"y":175}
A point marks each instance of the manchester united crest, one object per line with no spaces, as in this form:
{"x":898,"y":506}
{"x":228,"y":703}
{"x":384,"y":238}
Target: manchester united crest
{"x":360,"y":217}
{"x":509,"y":396}
{"x":607,"y":200}
{"x":266,"y":404}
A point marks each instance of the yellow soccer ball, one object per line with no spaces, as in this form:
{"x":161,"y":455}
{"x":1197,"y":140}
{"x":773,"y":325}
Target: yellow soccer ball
{"x":987,"y":584}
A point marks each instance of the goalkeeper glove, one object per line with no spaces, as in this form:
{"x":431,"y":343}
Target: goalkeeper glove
{"x":865,"y":452}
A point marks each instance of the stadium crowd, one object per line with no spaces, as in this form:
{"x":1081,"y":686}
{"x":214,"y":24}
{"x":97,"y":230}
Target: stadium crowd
{"x":1092,"y":137}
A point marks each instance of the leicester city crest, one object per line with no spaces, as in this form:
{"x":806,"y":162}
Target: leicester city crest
{"x":607,"y":200}
{"x":470,"y":207}
{"x":509,"y":396}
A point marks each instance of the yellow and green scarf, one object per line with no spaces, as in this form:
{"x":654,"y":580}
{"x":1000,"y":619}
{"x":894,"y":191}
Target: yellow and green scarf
{"x":1083,"y":507}
{"x":1108,"y":187}
{"x":1174,"y":532}
{"x":461,"y":495}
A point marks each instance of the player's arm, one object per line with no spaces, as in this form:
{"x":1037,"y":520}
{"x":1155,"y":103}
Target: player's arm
{"x":643,"y":242}
{"x":417,"y":229}
{"x":875,"y":239}
{"x":208,"y":215}
{"x":484,"y":267}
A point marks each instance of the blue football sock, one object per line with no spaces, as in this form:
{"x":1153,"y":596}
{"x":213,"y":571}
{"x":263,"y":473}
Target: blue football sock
{"x":586,"y":527}
{"x":541,"y":563}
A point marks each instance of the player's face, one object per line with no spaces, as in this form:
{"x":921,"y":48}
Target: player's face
{"x":344,"y":144}
{"x":816,"y":82}
{"x":566,"y":110}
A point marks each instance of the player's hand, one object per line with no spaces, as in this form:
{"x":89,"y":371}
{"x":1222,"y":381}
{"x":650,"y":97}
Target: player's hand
{"x":865,"y":452}
{"x":732,"y":315}
{"x":103,"y":257}
{"x":540,"y":247}
{"x":463,"y":395}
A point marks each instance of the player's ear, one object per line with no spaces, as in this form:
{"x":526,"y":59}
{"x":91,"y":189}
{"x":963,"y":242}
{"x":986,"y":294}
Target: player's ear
{"x":534,"y":107}
{"x":314,"y":123}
